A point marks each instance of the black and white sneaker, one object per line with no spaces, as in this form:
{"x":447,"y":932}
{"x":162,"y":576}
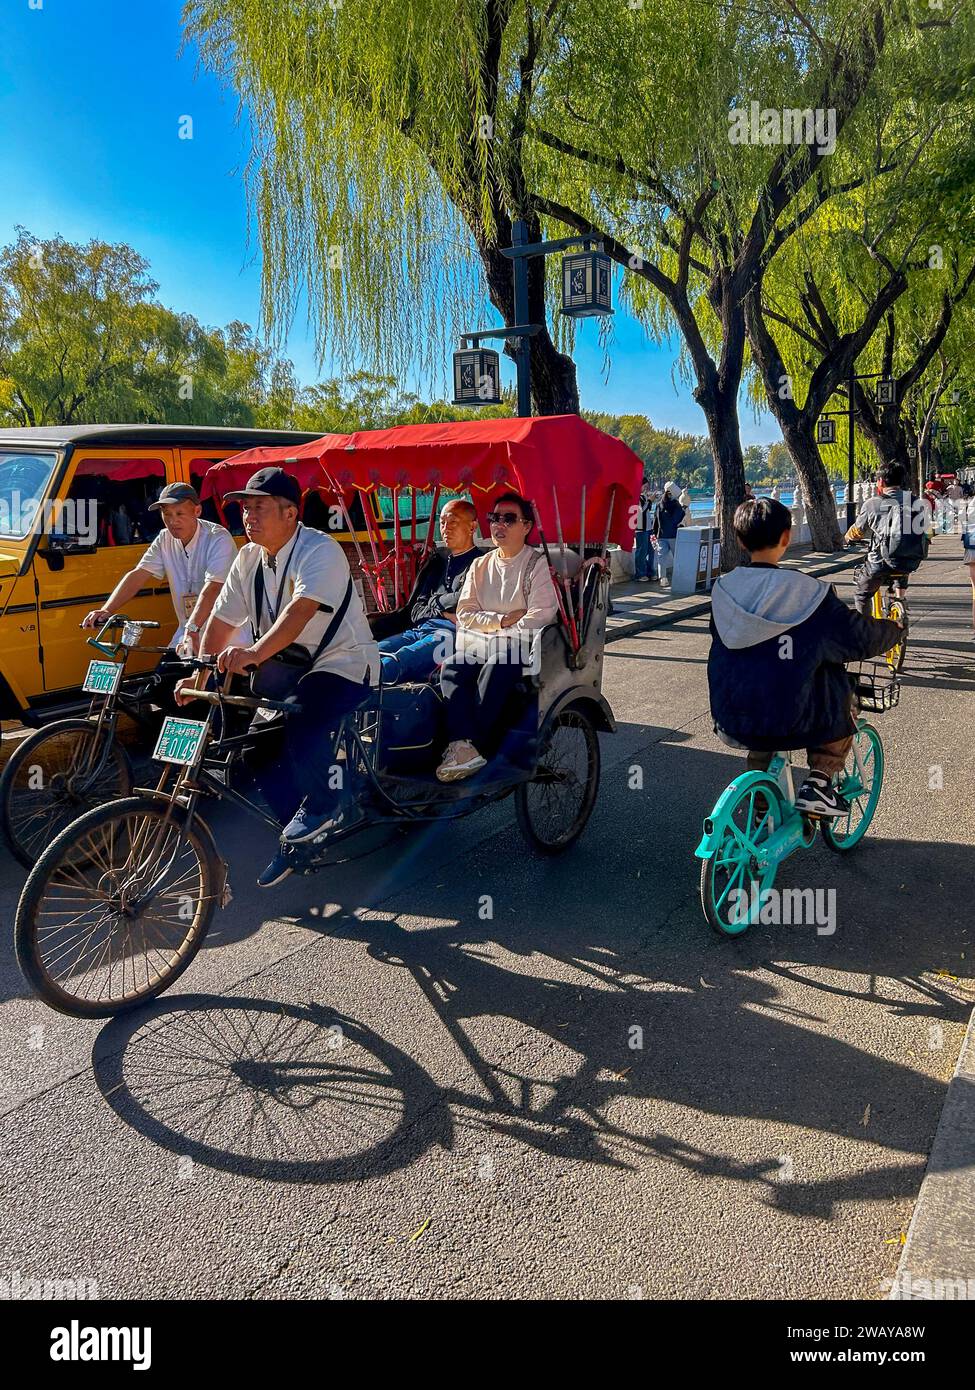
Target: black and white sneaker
{"x":817,"y":797}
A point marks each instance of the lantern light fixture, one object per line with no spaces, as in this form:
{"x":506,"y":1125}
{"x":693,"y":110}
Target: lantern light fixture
{"x":587,"y":284}
{"x":477,"y":376}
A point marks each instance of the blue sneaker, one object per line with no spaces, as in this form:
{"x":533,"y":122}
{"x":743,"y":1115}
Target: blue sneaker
{"x":279,"y":869}
{"x":306,"y":824}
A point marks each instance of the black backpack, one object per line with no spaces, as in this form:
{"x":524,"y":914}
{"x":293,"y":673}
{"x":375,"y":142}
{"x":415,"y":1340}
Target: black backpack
{"x":902,"y":532}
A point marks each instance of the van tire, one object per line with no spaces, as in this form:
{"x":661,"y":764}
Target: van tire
{"x":114,"y":781}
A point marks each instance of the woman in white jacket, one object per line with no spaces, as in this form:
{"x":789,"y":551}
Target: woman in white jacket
{"x":508,"y":596}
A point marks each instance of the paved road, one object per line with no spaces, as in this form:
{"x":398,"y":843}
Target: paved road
{"x":382,"y":1093}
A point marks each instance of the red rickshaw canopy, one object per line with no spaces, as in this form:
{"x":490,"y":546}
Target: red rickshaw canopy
{"x":532,"y":455}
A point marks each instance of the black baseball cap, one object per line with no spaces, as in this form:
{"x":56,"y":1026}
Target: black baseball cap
{"x":270,"y":482}
{"x":175,"y":492}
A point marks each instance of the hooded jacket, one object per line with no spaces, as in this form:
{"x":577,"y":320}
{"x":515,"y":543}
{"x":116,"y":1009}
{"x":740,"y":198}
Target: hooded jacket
{"x":775,"y":670}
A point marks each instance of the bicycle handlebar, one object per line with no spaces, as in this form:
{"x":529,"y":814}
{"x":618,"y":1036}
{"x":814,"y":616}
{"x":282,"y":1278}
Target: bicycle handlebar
{"x":219,"y":697}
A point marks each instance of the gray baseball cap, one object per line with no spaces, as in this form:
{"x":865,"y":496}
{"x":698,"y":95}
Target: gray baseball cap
{"x":175,"y":492}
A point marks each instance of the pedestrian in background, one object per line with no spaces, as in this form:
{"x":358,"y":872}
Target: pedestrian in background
{"x":642,"y":550}
{"x":667,"y":519}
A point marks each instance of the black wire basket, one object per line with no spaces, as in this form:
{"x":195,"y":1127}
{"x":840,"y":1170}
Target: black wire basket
{"x":876,"y":687}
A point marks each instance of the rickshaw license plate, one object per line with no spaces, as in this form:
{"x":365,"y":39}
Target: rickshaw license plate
{"x":179,"y":740}
{"x":102,"y":678}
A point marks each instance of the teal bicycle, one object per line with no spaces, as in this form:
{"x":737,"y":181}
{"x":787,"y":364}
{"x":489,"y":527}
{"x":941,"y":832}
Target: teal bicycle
{"x":755,"y":825}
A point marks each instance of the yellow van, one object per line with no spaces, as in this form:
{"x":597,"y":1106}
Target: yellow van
{"x":73,"y":519}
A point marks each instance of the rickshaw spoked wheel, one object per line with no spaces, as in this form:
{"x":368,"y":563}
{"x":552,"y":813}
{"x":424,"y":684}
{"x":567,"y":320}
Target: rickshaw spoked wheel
{"x":554,"y":807}
{"x":117,"y":907}
{"x":54,"y":776}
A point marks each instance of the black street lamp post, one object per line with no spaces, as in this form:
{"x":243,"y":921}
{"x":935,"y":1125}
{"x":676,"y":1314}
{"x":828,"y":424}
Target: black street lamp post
{"x":588,"y":295}
{"x":886,"y":396}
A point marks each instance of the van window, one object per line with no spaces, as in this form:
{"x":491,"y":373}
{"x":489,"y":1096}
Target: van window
{"x":121,"y":491}
{"x":23,"y":488}
{"x":198,"y":468}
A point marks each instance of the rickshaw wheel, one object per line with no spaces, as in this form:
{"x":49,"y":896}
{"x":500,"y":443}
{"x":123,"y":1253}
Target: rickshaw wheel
{"x":49,"y":781}
{"x":116,"y":908}
{"x":553,"y":809}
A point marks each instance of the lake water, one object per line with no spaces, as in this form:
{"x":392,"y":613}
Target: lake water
{"x":704,"y":506}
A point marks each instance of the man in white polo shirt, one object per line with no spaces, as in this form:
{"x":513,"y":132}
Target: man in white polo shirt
{"x":193,"y":555}
{"x":293,"y":585}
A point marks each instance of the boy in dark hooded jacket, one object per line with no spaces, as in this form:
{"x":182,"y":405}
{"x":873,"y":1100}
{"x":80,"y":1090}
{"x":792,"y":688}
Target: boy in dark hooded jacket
{"x":775,"y":671}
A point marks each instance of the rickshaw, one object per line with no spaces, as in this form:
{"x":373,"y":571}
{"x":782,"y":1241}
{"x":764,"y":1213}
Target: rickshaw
{"x":118,"y":905}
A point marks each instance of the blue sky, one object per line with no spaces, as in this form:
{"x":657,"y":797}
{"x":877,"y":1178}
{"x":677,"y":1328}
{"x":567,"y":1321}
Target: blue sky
{"x":91,"y":96}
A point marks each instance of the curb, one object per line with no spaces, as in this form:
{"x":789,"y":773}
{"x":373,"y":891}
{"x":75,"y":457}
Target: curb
{"x":693,"y":605}
{"x":938,"y":1259}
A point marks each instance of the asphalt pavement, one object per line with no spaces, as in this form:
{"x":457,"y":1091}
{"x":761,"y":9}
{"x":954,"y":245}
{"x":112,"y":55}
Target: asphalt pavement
{"x":448,"y":1069}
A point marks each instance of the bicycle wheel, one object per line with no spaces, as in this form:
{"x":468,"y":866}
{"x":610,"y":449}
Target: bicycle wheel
{"x":54,"y":776}
{"x":731,"y":880}
{"x":117,"y":907}
{"x":860,"y":784}
{"x":553,"y":809}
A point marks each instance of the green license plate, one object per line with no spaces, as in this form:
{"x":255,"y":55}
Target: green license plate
{"x":179,"y":740}
{"x":102,"y":678}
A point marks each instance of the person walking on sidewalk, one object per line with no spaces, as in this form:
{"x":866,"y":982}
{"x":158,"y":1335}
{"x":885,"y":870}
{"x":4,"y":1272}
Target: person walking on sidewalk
{"x":642,"y":549}
{"x":667,"y":520}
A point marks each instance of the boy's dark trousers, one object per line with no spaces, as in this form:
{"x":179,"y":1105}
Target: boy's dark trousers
{"x":872,"y":575}
{"x":828,"y":758}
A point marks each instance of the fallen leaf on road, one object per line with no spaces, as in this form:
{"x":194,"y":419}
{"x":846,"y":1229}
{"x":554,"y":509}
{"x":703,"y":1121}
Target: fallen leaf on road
{"x":866,"y":1117}
{"x":945,"y":975}
{"x":417,"y":1234}
{"x":900,"y":1239}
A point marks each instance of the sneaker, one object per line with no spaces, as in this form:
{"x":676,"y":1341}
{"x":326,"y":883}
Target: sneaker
{"x":307,"y":824}
{"x":816,"y":797}
{"x":279,"y":868}
{"x":460,"y":760}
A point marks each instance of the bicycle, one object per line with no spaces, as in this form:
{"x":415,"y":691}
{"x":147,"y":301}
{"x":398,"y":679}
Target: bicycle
{"x":66,"y":767}
{"x":755,"y":826}
{"x":120,"y":902}
{"x":891,"y":603}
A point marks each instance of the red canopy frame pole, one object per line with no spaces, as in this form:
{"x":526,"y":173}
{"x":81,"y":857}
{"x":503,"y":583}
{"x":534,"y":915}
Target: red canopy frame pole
{"x":565,"y":615}
{"x":563,"y":578}
{"x":609,"y":520}
{"x":364,"y":568}
{"x":430,"y":524}
{"x":377,"y":555}
{"x":582,"y":551}
{"x":397,"y":548}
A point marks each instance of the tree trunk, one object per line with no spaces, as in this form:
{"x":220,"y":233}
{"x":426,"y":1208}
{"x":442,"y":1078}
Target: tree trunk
{"x":721,"y":413}
{"x":798,"y":431}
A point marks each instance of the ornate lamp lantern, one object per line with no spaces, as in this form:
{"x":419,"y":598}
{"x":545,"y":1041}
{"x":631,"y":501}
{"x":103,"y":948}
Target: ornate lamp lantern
{"x":477,"y":377}
{"x":586,"y":284}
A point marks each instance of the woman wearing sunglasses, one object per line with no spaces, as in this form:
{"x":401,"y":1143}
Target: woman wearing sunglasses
{"x":508,"y":594}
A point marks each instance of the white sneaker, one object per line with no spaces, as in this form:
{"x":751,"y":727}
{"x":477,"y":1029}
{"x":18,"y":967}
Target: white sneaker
{"x":460,"y":760}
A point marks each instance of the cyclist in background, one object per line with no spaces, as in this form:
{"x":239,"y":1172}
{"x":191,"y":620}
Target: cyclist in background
{"x":894,"y":522}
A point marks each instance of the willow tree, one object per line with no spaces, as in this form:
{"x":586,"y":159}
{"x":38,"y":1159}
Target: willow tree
{"x":663,"y":128}
{"x":387,"y":168}
{"x":890,"y":249}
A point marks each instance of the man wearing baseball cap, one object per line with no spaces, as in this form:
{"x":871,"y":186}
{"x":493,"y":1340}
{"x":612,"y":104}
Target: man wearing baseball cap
{"x":193,"y":555}
{"x":294,"y":586}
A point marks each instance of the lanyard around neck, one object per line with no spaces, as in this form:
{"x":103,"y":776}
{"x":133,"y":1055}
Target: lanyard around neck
{"x":279,"y":580}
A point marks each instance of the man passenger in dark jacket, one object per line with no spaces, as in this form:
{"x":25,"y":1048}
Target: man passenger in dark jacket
{"x":419,"y":637}
{"x":775,"y":671}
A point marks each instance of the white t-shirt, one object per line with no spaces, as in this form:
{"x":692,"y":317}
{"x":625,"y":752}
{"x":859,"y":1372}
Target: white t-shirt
{"x":312,"y":566}
{"x":209,"y":555}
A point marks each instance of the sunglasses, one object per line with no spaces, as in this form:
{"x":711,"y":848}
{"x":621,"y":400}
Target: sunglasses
{"x":504,"y":518}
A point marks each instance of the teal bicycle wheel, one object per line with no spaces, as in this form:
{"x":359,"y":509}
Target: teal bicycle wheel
{"x":731,"y":879}
{"x":860,"y":785}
